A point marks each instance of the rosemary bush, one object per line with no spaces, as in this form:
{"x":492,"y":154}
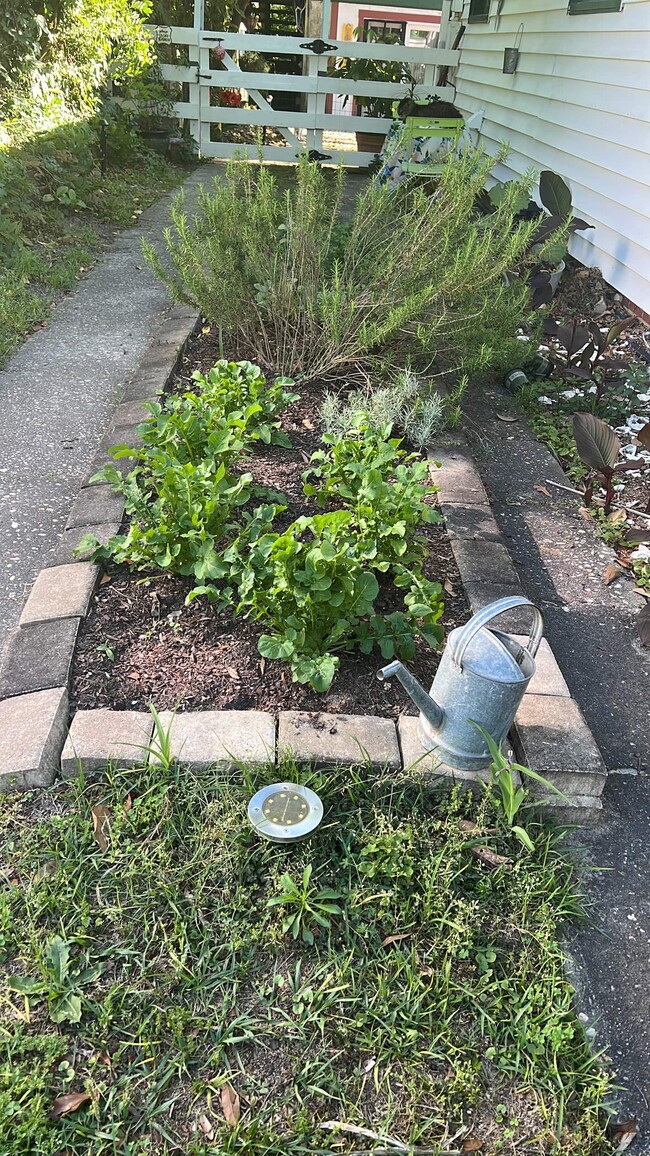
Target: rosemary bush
{"x":418,"y":271}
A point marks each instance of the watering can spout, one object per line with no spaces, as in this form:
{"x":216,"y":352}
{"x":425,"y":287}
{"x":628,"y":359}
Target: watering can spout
{"x":423,"y":701}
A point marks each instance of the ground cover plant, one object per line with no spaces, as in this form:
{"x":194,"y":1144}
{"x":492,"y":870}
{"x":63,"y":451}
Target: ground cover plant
{"x":432,"y":1005}
{"x":56,"y":206}
{"x":312,"y":584}
{"x":306,"y":296}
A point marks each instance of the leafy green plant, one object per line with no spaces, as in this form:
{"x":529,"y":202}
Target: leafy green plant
{"x":385,"y":488}
{"x":180,"y":514}
{"x":59,"y":984}
{"x":181,"y":497}
{"x":417,"y":272}
{"x":510,"y":797}
{"x":313,"y":586}
{"x":306,"y":906}
{"x":387,"y":71}
{"x":233,"y":388}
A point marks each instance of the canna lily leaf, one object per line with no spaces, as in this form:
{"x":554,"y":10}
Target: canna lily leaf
{"x":597,"y":444}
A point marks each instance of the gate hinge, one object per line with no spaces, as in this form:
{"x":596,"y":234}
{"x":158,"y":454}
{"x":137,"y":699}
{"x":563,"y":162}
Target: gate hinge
{"x":318,"y":47}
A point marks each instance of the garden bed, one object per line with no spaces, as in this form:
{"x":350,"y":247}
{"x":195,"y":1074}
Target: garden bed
{"x":141,"y":643}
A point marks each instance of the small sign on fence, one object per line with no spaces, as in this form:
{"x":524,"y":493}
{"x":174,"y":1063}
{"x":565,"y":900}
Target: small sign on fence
{"x":163,"y":34}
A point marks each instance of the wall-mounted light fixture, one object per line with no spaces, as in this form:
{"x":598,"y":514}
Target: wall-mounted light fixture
{"x":511,"y":55}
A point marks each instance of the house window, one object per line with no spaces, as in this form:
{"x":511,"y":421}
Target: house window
{"x":386,"y":31}
{"x":578,"y":7}
{"x":479,"y":11}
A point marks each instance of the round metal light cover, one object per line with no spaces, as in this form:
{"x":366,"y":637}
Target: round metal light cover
{"x":285,"y":812}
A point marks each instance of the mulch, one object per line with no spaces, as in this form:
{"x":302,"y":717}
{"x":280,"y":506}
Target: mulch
{"x":142,"y":644}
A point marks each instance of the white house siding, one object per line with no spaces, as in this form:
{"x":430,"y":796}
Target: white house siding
{"x":579,"y":104}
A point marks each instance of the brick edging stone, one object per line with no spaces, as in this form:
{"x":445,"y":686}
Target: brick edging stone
{"x":36,"y":744}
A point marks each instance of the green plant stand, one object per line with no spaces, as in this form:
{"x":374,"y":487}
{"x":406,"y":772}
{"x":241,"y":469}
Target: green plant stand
{"x":428,"y":127}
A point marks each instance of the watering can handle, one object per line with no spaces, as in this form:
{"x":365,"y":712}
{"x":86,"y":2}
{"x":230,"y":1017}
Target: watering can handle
{"x":461,"y":639}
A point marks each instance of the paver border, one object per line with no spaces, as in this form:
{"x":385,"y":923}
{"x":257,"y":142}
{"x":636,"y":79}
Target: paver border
{"x":487,"y":572}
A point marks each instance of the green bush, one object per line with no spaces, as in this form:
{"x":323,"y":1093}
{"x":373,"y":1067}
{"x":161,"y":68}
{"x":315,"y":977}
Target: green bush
{"x":417,"y":271}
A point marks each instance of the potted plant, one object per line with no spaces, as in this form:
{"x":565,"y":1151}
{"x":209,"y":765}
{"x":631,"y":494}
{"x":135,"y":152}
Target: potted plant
{"x":389,"y":71}
{"x":547,"y":251}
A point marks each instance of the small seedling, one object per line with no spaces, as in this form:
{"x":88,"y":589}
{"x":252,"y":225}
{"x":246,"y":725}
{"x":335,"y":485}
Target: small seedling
{"x":58,"y":984}
{"x":305,"y":905}
{"x":510,"y":798}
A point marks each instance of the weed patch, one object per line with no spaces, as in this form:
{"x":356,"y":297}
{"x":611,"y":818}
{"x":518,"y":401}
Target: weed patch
{"x":433,"y":996}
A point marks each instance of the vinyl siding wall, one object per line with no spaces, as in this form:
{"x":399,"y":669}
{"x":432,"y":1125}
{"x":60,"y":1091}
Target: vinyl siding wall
{"x":579,"y":104}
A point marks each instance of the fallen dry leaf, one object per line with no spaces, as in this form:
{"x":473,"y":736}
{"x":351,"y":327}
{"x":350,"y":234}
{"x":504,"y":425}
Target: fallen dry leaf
{"x":234,"y":674}
{"x":128,"y":803}
{"x":230,"y":1105}
{"x":507,"y":417}
{"x":355,"y":1130}
{"x":262,"y":666}
{"x":623,"y":1134}
{"x":617,"y":517}
{"x":643,"y":625}
{"x":206,"y":1127}
{"x":490,"y":858}
{"x":612,"y":572}
{"x":542,"y":490}
{"x":426,"y":971}
{"x":101,"y":825}
{"x":472,"y":1145}
{"x":449,"y":588}
{"x":307,"y":423}
{"x":396,"y":938}
{"x":585,"y":513}
{"x":469,"y":828}
{"x":63,"y":1105}
{"x":105,"y":579}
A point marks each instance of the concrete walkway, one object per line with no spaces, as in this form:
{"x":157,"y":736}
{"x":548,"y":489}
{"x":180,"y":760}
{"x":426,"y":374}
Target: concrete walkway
{"x":58,"y":391}
{"x":591,"y":628}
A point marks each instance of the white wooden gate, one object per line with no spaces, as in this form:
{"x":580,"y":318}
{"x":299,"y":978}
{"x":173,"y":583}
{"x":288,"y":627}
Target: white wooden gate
{"x":301,"y":130}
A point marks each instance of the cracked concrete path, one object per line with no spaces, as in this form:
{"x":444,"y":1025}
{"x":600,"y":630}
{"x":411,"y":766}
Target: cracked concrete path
{"x":58,"y":391}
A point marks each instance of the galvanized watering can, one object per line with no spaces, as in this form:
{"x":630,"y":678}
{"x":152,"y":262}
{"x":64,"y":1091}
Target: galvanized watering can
{"x":482,"y":677}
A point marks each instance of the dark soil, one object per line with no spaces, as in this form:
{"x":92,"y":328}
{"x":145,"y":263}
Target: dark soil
{"x":141,"y":644}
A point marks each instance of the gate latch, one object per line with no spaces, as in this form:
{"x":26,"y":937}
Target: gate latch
{"x":318,"y":47}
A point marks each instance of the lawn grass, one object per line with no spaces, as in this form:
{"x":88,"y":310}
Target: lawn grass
{"x":433,"y":1006}
{"x":57,"y":244}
